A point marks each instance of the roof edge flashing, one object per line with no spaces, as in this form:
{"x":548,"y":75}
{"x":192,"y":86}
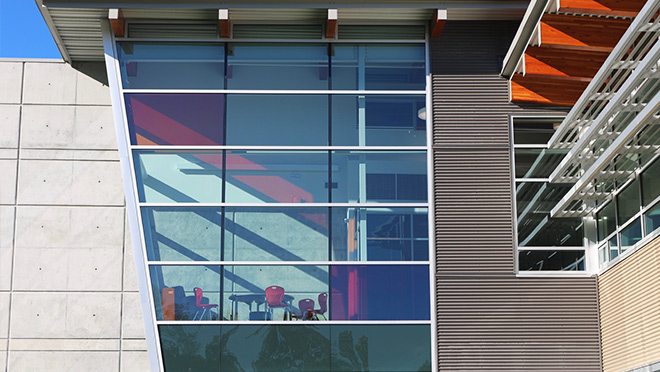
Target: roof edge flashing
{"x":524,"y":35}
{"x":53,"y":30}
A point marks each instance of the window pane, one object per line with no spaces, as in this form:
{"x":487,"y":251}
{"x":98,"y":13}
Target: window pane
{"x":171,"y":65}
{"x":606,"y":221}
{"x":183,"y":233}
{"x":174,"y":292}
{"x":380,"y":292}
{"x":277,"y":120}
{"x":277,"y":177}
{"x":378,"y":120}
{"x":628,"y":202}
{"x":652,"y":219}
{"x":175,"y":119}
{"x":380,"y":234}
{"x":631,"y":235}
{"x":551,"y":260}
{"x":602,"y":254}
{"x":185,"y":176}
{"x":362,"y":176}
{"x":534,"y":131}
{"x":614,"y":247}
{"x":537,"y":163}
{"x":276,"y":234}
{"x":276,"y":348}
{"x":651,"y":183}
{"x":379,"y":348}
{"x":374,"y":67}
{"x":269,"y":66}
{"x":245,"y":290}
{"x":191,"y":348}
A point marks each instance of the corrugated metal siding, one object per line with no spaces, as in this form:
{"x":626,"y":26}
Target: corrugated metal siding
{"x":382,"y":32}
{"x":629,"y":295}
{"x":488,"y":319}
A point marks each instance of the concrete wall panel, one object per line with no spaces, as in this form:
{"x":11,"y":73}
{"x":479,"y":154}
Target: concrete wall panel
{"x":85,"y":269}
{"x":130,"y":274}
{"x":4,"y":314}
{"x":70,"y":183}
{"x":132,"y":324}
{"x":49,"y":83}
{"x":11,"y":81}
{"x":90,"y":91}
{"x":8,"y":181}
{"x":65,"y":315}
{"x":133,"y":361}
{"x":69,"y":227}
{"x":75,"y":127}
{"x":63,"y":361}
{"x":9,"y":123}
{"x":6,"y":246}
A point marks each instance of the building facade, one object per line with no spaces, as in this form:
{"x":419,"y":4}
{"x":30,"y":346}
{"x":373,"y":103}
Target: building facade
{"x":332,"y":188}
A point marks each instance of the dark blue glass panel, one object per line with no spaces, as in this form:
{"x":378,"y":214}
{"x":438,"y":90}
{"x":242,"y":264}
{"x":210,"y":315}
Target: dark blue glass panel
{"x":277,"y":120}
{"x":631,"y":235}
{"x":276,"y":348}
{"x":175,"y":119}
{"x":277,"y":177}
{"x":378,"y":66}
{"x":380,"y":292}
{"x":171,"y":65}
{"x":183,"y":233}
{"x":273,"y":66}
{"x":381,"y":348}
{"x":652,"y":219}
{"x":191,"y":348}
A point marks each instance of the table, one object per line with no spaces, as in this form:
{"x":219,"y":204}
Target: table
{"x":257,"y":299}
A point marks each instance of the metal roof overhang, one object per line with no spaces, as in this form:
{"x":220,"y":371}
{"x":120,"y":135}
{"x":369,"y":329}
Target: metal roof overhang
{"x":614,"y":128}
{"x":76,"y":28}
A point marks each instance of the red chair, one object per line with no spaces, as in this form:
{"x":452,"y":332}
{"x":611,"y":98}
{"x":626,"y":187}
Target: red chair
{"x":199,"y":294}
{"x":323,"y":303}
{"x":274,"y":297}
{"x":306,"y":307}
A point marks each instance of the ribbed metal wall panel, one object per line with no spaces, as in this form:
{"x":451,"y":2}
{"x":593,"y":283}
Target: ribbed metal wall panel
{"x":629,"y":295}
{"x":489,"y":319}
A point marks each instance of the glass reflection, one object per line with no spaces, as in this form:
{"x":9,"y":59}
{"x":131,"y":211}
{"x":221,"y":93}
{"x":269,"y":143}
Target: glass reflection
{"x":175,"y":119}
{"x":551,"y":260}
{"x":651,"y":183}
{"x":379,"y":176}
{"x":537,"y":163}
{"x":175,"y":291}
{"x":652,"y":219}
{"x":628,"y":202}
{"x":277,"y":120}
{"x":380,"y":234}
{"x":183,"y":233}
{"x":631,"y":235}
{"x":178,"y":176}
{"x":273,"y":66}
{"x":374,"y":67}
{"x":192,"y":348}
{"x":171,"y":65}
{"x":256,"y":234}
{"x":606,"y":221}
{"x":374,"y":120}
{"x":277,"y":177}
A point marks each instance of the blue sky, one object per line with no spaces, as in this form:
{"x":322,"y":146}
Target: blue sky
{"x":23,"y":32}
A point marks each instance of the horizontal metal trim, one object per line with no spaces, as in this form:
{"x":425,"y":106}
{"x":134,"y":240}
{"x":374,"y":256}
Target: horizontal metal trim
{"x":287,"y":263}
{"x":296,"y":205}
{"x":290,"y":322}
{"x":281,"y":148}
{"x":290,"y":92}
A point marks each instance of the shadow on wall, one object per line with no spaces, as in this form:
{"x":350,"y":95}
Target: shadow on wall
{"x":95,"y":70}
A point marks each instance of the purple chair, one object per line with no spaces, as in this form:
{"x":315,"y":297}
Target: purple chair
{"x":323,"y":304}
{"x":199,"y":294}
{"x":306,"y":307}
{"x":274,"y":297}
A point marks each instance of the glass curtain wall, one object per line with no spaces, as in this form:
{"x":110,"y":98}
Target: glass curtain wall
{"x":282,"y":191}
{"x":631,"y":215}
{"x":544,"y":243}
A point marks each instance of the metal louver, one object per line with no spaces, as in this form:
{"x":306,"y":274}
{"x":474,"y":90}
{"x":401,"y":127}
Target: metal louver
{"x":245,"y":31}
{"x":173,"y":31}
{"x":415,"y":32}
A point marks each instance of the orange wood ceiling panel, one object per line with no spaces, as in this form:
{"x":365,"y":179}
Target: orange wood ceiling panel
{"x":616,"y":5}
{"x":560,"y":91}
{"x":581,"y":31}
{"x":569,"y":60}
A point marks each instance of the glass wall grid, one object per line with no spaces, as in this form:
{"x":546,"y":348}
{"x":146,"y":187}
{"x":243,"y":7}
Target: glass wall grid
{"x":289,"y":192}
{"x":543,"y":243}
{"x":631,"y":216}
